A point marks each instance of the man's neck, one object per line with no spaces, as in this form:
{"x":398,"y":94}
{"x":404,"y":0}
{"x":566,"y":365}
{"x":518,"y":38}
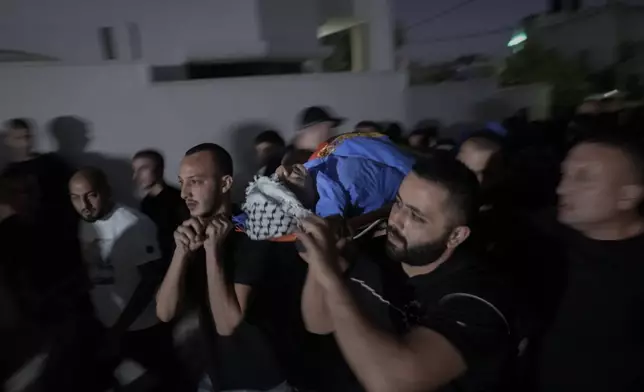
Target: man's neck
{"x":155,"y":189}
{"x":224,"y":209}
{"x":413,"y":271}
{"x":17,"y":157}
{"x":622,"y":229}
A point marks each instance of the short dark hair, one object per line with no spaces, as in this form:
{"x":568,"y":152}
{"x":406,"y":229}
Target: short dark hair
{"x":631,"y":147}
{"x":369,"y":124}
{"x":294,"y":156}
{"x":19,"y":123}
{"x":96,"y":177}
{"x":394,"y":131}
{"x":153,"y":155}
{"x":221,"y":157}
{"x":271,"y":137}
{"x":457,"y":179}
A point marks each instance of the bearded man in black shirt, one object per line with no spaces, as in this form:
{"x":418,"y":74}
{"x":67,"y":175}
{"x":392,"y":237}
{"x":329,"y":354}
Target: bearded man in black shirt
{"x":594,"y":340}
{"x":427,"y":318}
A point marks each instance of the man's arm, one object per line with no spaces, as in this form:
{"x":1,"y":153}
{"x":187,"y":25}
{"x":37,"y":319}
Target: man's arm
{"x":170,"y":292}
{"x":423,"y":360}
{"x":228,"y":302}
{"x":315,"y":313}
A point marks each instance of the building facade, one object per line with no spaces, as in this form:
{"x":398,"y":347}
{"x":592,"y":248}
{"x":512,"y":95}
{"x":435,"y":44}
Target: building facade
{"x":172,"y":32}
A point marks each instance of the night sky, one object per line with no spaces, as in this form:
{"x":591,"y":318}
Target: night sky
{"x":477,"y":16}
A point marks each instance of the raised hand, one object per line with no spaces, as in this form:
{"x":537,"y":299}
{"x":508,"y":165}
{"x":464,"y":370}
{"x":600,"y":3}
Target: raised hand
{"x":217,"y":231}
{"x":190,"y":235}
{"x":319,"y":248}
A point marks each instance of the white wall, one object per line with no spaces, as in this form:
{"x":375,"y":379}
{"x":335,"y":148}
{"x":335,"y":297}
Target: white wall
{"x":122,"y":112}
{"x":290,"y":28}
{"x":172,"y":31}
{"x":474,"y":102}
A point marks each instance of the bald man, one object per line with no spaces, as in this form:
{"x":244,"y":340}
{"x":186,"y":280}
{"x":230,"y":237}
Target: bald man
{"x":120,"y":249}
{"x":477,"y":152}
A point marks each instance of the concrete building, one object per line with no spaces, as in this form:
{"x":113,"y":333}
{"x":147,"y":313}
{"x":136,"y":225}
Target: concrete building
{"x":599,"y":37}
{"x":172,"y":32}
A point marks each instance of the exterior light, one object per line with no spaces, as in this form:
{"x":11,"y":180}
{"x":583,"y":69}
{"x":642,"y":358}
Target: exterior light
{"x":517,"y":39}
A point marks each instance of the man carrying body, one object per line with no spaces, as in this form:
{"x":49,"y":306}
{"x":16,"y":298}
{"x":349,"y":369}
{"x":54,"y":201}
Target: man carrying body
{"x":120,"y":250}
{"x":219,"y":267}
{"x":430,"y":318}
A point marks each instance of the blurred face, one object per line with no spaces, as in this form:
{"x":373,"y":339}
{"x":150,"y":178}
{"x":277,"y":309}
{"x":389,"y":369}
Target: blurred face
{"x":298,"y":180}
{"x":598,"y":184}
{"x":265,"y":151}
{"x":19,"y":141}
{"x":144,"y":173}
{"x":202,"y":187}
{"x":88,"y":201}
{"x":416,"y":141}
{"x":419,"y":230}
{"x":310,"y":138}
{"x":475,"y":158}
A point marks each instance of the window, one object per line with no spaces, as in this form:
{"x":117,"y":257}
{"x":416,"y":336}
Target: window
{"x":106,"y":41}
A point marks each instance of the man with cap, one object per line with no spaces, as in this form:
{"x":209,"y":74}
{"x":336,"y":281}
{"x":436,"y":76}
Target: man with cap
{"x":316,"y":126}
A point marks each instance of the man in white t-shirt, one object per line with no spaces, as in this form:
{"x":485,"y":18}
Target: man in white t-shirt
{"x":125,"y":266}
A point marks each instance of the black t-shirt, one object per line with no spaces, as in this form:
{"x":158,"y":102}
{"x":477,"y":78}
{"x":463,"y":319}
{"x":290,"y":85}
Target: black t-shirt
{"x":464,"y":300}
{"x":51,"y":176}
{"x":310,"y":361}
{"x":167,"y":210}
{"x":244,"y":360}
{"x":17,"y":261}
{"x":596,"y":340}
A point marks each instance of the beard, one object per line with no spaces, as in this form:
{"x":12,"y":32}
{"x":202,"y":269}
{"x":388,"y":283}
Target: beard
{"x":417,"y":255}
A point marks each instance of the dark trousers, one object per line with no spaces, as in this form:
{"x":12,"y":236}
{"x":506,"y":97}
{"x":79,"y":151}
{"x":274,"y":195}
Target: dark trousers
{"x":81,"y":359}
{"x":154,"y":350}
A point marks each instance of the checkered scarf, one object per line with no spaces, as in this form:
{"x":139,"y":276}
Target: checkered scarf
{"x":272,"y":209}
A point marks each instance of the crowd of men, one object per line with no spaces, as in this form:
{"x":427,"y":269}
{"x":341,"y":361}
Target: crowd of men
{"x":511,"y":260}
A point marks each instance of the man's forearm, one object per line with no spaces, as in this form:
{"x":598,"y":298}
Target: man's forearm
{"x":169,"y":294}
{"x":377,"y":358}
{"x":224,"y":304}
{"x":314,"y":307}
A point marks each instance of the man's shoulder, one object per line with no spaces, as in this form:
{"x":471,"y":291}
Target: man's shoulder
{"x":469,"y":284}
{"x":240,"y":243}
{"x":126,"y":218}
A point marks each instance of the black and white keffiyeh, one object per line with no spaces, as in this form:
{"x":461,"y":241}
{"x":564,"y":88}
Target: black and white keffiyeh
{"x":272,"y":209}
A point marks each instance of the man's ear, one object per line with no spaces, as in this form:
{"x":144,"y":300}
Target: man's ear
{"x":631,"y":197}
{"x":458,"y":236}
{"x":226,"y":183}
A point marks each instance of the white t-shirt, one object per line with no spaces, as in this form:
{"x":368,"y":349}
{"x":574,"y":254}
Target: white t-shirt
{"x":113,"y":249}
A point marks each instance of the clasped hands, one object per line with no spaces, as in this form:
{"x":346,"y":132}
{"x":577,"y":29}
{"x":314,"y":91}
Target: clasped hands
{"x":207,"y":233}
